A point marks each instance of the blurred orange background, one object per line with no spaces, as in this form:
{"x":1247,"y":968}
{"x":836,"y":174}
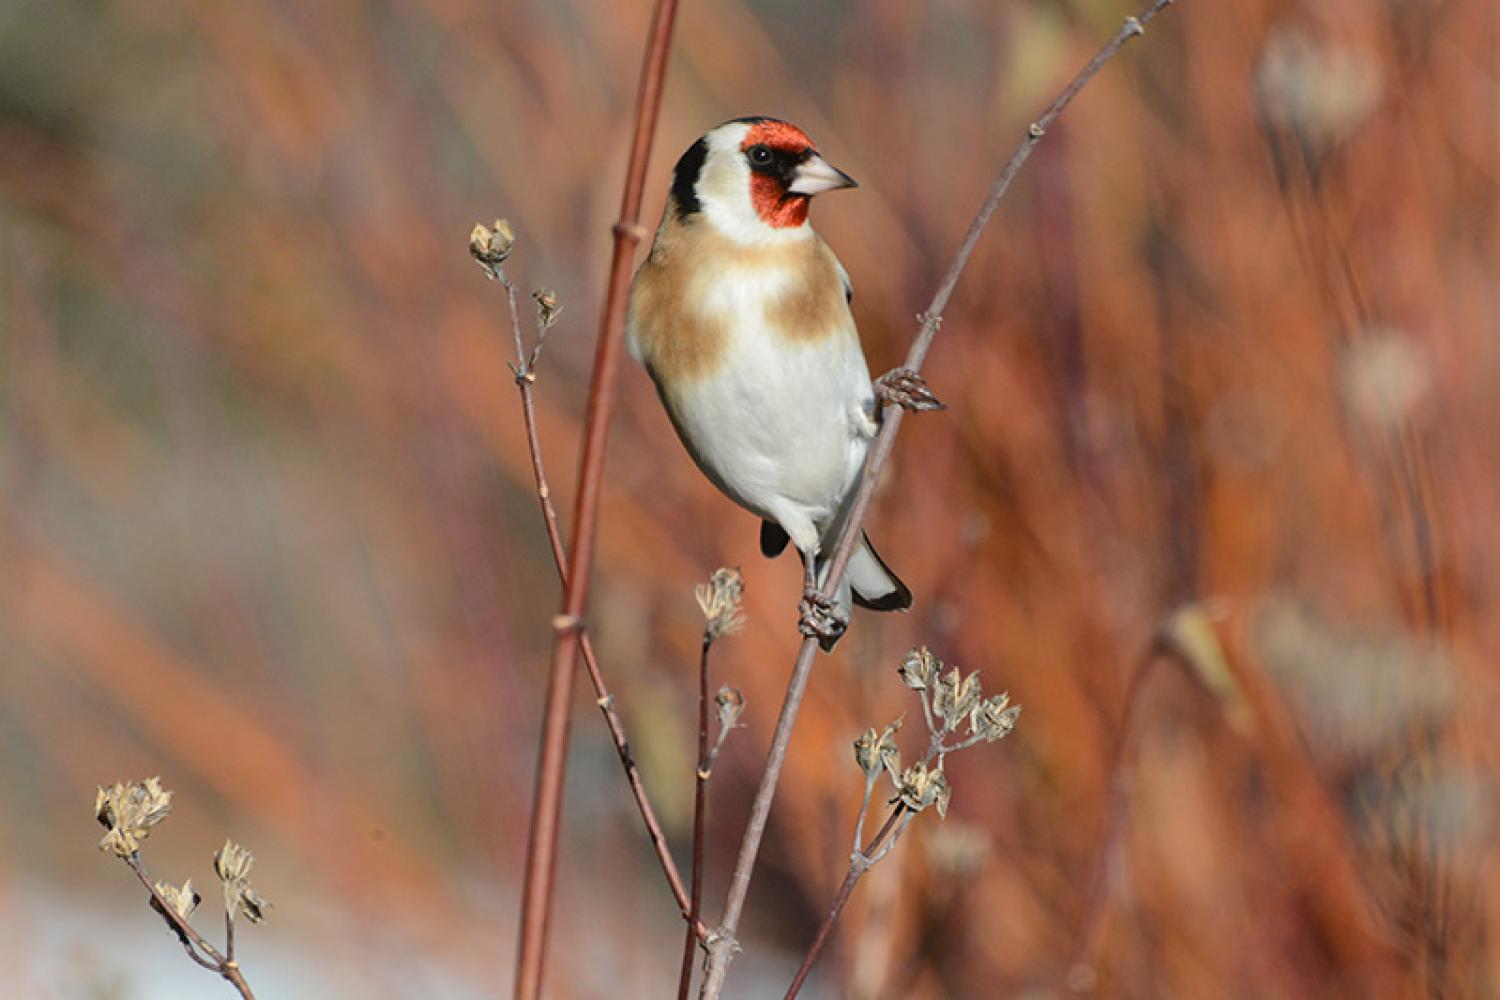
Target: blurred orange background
{"x":267,"y":525}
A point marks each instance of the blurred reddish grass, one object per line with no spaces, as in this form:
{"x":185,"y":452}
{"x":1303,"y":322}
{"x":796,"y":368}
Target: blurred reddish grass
{"x":268,"y":531}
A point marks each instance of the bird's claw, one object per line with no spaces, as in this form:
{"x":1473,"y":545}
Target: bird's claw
{"x":820,"y":619}
{"x":905,"y":388}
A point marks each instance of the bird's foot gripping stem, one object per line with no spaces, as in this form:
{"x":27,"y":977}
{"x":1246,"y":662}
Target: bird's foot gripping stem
{"x":821,"y":620}
{"x":905,"y":388}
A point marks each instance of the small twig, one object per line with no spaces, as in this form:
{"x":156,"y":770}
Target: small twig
{"x":704,"y":770}
{"x":865,"y":858}
{"x":724,"y":944}
{"x":196,"y":945}
{"x":874,"y":859}
{"x":859,"y":862}
{"x":524,"y":368}
{"x":864,"y":809}
{"x":546,"y":810}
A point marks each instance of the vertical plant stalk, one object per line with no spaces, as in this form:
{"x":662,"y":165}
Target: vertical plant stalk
{"x":700,"y":804}
{"x":546,"y":810}
{"x":525,"y":371}
{"x":198,"y":948}
{"x":722,"y":944}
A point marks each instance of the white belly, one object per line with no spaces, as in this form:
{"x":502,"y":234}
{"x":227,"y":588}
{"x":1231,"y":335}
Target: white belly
{"x":782,"y":426}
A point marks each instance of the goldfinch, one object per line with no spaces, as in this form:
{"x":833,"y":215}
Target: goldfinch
{"x":740,"y":314}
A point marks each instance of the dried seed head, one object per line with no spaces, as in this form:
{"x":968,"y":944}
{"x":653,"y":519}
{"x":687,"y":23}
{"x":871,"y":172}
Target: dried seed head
{"x":992,"y":719}
{"x":491,"y":247}
{"x":182,"y":901}
{"x":875,"y":752}
{"x":919,"y":788}
{"x":731,"y":705}
{"x":547,"y":307}
{"x":720,"y":600}
{"x":953,"y":697}
{"x":232,"y":863}
{"x":128,"y":812}
{"x":253,"y":906}
{"x":920,"y":668}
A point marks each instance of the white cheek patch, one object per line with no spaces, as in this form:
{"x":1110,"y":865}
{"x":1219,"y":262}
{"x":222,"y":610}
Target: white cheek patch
{"x":724,"y":192}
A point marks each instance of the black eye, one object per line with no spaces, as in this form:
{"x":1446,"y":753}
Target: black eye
{"x":760,"y":155}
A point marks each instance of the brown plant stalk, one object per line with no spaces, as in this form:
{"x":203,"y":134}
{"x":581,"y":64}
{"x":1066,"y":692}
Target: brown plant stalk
{"x":546,"y":811}
{"x":722,"y":943}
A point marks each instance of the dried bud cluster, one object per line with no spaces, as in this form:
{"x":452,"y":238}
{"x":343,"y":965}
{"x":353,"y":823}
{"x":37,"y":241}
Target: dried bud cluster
{"x":955,"y":699}
{"x":491,"y":247}
{"x":232,"y":863}
{"x":949,"y":701}
{"x":720,"y":600}
{"x":129,"y":812}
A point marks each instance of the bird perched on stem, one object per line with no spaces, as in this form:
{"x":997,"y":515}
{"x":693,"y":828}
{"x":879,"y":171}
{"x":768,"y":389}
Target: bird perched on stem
{"x":741,"y":316}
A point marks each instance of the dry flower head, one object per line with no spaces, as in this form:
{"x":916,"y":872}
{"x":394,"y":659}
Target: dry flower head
{"x":492,"y":246}
{"x":875,"y":752}
{"x":719,"y":599}
{"x":128,"y":812}
{"x":954,"y":697}
{"x":183,"y":901}
{"x":994,"y":718}
{"x":919,"y":669}
{"x":921,"y":786}
{"x":232,"y":863}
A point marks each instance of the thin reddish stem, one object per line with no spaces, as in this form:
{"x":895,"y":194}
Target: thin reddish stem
{"x":546,"y":812}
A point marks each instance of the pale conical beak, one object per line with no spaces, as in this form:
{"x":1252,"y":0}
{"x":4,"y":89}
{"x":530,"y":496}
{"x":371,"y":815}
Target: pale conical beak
{"x":815,"y":175}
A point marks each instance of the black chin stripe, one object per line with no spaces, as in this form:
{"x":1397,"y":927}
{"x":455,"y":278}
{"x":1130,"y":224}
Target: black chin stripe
{"x":685,"y":179}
